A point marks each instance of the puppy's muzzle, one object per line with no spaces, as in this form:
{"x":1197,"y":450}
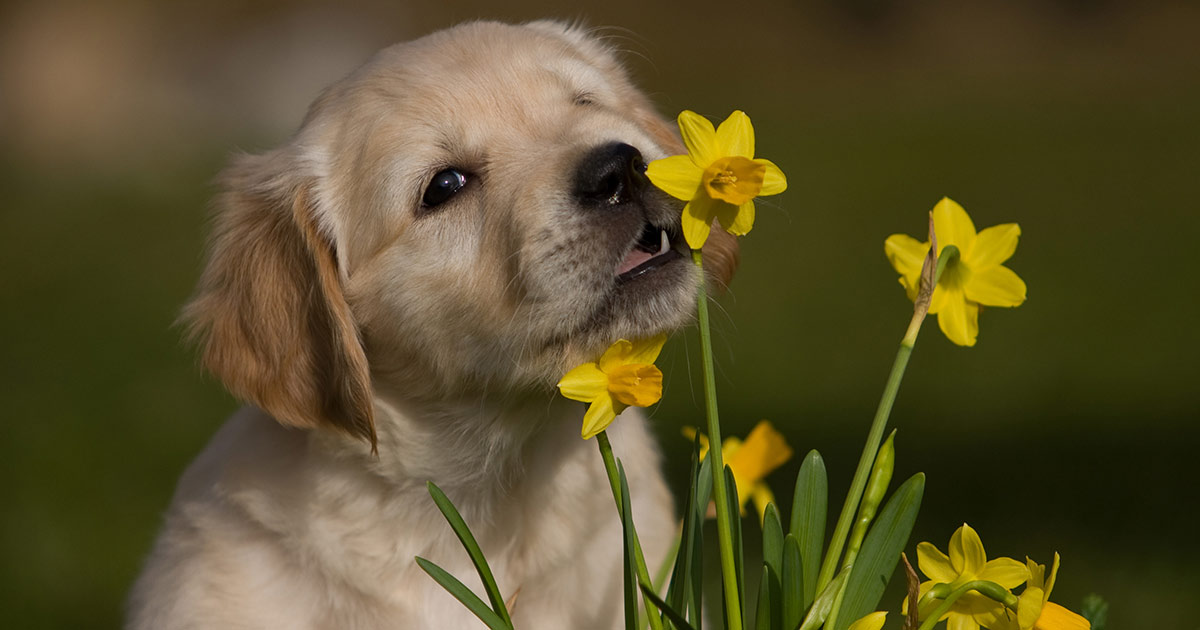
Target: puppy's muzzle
{"x":610,"y":174}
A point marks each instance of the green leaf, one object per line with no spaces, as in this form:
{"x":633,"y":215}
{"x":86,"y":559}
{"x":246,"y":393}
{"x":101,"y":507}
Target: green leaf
{"x":669,"y":612}
{"x":464,"y":595}
{"x":688,"y":569}
{"x":767,"y":615}
{"x":1095,"y":610}
{"x":880,"y":552}
{"x":738,"y":556}
{"x":792,"y":586}
{"x":772,"y":541}
{"x":696,"y":580}
{"x":468,"y":541}
{"x":808,"y":519}
{"x":631,"y":606}
{"x":823,"y":603}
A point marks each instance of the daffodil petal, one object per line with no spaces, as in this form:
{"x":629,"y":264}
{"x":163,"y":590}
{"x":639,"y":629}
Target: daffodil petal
{"x":677,"y":175}
{"x":994,"y":245}
{"x":873,"y":621}
{"x":762,"y":496}
{"x":953,"y":226}
{"x":730,"y":446}
{"x":736,"y":219}
{"x":907,"y":256}
{"x":1029,"y":606}
{"x":934,"y":564}
{"x":599,"y":415}
{"x":958,"y":318}
{"x":584,"y":383}
{"x":966,"y":550}
{"x":735,"y":136}
{"x":996,"y":286}
{"x":697,"y":220}
{"x":1004,"y":571}
{"x":774,"y":181}
{"x":1055,"y":617}
{"x":616,"y":355}
{"x":999,"y":618}
{"x":699,"y":137}
{"x":978,"y":606}
{"x":961,"y":622}
{"x":763,"y":450}
{"x":647,"y":350}
{"x":1049,"y":584}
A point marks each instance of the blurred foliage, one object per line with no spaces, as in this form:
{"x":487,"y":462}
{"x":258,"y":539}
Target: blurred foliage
{"x":1070,"y":427}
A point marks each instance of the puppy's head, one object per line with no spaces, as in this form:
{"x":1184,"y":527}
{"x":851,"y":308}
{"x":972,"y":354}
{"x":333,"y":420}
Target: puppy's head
{"x":466,"y":212}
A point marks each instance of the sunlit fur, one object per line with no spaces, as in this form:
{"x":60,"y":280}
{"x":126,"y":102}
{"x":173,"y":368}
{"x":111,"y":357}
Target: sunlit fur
{"x":380,"y":344}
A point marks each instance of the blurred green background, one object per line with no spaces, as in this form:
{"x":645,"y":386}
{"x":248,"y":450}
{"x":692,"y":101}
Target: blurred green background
{"x":1071,"y":426}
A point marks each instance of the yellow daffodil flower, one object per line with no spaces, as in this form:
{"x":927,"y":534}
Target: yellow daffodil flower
{"x":1035,"y":611}
{"x":977,"y":278}
{"x":719,"y":177}
{"x":967,"y":562}
{"x":751,"y":460}
{"x":624,"y":376}
{"x":872,"y":621}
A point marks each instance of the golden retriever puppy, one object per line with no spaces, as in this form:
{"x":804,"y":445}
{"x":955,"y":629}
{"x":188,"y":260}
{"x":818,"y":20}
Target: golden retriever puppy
{"x":395,"y":292}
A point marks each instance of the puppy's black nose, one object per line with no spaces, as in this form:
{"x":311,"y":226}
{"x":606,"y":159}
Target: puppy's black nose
{"x":610,"y":174}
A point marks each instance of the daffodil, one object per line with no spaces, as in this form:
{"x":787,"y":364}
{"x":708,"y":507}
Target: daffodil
{"x":977,"y":278}
{"x":967,"y":562}
{"x":625,"y":376}
{"x":1035,"y":611}
{"x":751,"y":460}
{"x":719,"y":177}
{"x":872,"y":621}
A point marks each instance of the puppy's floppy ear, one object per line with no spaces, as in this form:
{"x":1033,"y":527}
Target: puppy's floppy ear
{"x":721,"y":255}
{"x":269,"y":313}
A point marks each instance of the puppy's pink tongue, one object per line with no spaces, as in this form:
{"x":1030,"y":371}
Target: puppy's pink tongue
{"x":633,"y":259}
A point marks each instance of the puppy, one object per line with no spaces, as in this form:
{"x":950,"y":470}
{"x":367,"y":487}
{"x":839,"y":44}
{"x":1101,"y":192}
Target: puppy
{"x":394,"y":292}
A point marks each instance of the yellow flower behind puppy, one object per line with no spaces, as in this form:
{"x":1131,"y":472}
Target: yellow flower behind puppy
{"x":751,"y":460}
{"x":624,"y":376}
{"x":719,"y":177}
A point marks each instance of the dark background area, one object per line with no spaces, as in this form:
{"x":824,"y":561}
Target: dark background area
{"x":1071,"y":426}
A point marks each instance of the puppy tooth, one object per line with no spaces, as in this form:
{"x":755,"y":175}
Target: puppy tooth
{"x":665,"y":243}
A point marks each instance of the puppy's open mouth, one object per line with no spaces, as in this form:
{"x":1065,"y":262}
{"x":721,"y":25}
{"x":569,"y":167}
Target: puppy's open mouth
{"x":654,"y":248}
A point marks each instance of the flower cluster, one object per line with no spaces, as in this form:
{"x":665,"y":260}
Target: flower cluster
{"x":969,"y":591}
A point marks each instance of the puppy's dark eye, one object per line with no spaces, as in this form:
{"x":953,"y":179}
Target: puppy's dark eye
{"x":443,"y":186}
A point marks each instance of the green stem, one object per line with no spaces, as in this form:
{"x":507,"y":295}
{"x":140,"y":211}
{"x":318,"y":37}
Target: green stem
{"x":859,"y":482}
{"x":614,"y":480}
{"x":733,"y":605}
{"x":989,"y":589}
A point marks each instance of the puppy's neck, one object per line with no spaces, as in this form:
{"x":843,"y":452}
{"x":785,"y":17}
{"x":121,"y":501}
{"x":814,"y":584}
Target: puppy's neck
{"x":487,"y":443}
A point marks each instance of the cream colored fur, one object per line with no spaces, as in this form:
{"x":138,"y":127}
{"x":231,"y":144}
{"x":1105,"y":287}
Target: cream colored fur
{"x":379,"y":345}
